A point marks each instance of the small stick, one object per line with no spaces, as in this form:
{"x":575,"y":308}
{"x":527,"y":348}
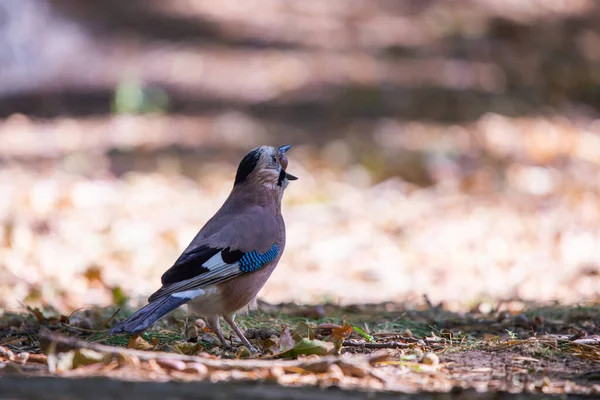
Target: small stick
{"x":75,"y":310}
{"x":104,"y":324}
{"x":366,"y":345}
{"x":54,"y":342}
{"x":7,"y":341}
{"x":394,"y":336}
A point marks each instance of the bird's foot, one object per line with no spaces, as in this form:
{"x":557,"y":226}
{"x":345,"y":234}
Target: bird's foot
{"x":230,"y":347}
{"x":252,"y":349}
{"x":226,"y":345}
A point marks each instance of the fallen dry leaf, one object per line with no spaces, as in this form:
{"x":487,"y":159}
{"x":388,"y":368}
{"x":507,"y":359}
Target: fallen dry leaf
{"x":309,"y":347}
{"x":282,"y":344}
{"x":169,"y":364}
{"x":138,"y":343}
{"x":303,"y":330}
{"x":430,"y":359}
{"x":338,"y":335}
{"x":38,"y":315}
{"x":184,"y":347}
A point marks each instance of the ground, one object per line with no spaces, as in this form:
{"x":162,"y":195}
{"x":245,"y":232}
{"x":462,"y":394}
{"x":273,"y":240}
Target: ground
{"x":382,"y":348}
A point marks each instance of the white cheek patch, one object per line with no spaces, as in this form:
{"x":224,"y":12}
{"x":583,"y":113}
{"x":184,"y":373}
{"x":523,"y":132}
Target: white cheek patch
{"x":269,"y":177}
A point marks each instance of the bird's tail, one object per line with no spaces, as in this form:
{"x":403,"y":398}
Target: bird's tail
{"x":143,"y":318}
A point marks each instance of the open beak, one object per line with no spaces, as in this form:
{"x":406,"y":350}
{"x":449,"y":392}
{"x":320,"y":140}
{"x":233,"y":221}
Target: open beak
{"x":282,"y":151}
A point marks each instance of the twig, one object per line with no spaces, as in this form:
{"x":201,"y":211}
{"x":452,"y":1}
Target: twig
{"x":595,"y":341}
{"x":7,"y":341}
{"x":75,"y":310}
{"x":428,"y":302}
{"x":103,"y":325}
{"x":57,"y":343}
{"x":395,"y":336}
{"x":366,"y":345}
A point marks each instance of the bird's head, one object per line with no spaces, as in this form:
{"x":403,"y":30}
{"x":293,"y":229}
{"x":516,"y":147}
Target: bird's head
{"x":265,"y":166}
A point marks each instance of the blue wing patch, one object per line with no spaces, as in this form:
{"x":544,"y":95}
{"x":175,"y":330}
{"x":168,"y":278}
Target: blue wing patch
{"x":253,"y":260}
{"x":207,"y":267}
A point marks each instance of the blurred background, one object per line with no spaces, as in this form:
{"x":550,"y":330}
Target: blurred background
{"x":444,"y":148}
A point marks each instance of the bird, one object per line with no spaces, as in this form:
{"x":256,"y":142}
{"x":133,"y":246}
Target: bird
{"x":233,"y":255}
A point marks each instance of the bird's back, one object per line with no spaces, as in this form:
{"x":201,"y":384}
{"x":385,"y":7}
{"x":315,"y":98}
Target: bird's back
{"x":248,"y":220}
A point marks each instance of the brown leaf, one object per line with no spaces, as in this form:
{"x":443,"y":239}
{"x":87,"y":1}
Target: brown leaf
{"x":431,"y":359}
{"x":338,"y":334}
{"x":243,"y":353}
{"x":53,"y":322}
{"x":379,"y":357}
{"x":153,"y":366}
{"x":138,"y":343}
{"x":190,"y":332}
{"x":326,"y":329}
{"x":94,"y":276}
{"x":342,"y":332}
{"x":275,"y":373}
{"x":58,"y":362}
{"x":286,"y":341}
{"x":5,"y":352}
{"x":21,"y":358}
{"x":184,"y":347}
{"x":38,"y":358}
{"x":83,"y":357}
{"x":281,"y":344}
{"x":196,"y":368}
{"x":38,"y":315}
{"x":350,"y":369}
{"x":171,"y":364}
{"x":303,"y":330}
{"x":335,"y":375}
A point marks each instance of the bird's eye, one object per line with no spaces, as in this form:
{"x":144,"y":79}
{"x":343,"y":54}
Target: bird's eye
{"x":273,"y":160}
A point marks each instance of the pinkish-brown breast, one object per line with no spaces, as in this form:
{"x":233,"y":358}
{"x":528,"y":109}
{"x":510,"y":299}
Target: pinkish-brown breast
{"x":240,"y":291}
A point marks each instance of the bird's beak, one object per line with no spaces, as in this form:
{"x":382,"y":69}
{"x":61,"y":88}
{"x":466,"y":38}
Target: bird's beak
{"x":283,"y":150}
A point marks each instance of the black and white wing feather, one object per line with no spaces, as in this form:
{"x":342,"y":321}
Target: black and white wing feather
{"x":193,"y":272}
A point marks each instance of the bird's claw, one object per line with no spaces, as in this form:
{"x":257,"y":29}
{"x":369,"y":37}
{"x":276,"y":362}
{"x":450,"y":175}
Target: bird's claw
{"x":252,"y":349}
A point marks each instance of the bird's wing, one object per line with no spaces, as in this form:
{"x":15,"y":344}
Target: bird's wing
{"x":242,"y":244}
{"x":187,"y":279}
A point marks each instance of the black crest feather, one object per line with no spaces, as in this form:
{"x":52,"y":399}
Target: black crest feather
{"x":247,"y":165}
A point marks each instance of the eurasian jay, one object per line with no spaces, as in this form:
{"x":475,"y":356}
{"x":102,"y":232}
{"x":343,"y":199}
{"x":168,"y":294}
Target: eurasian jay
{"x":230,"y":259}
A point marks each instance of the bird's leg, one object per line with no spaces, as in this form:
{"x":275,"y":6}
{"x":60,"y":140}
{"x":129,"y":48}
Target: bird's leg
{"x":215,"y":325}
{"x":238,"y":332}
